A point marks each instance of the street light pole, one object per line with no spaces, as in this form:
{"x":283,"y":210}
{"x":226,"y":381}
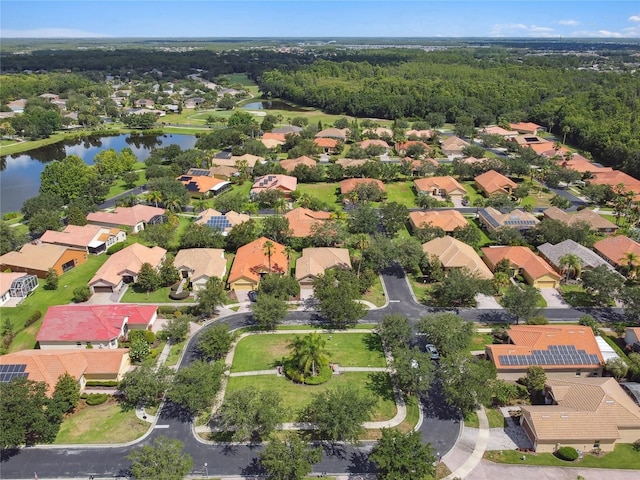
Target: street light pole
{"x":206,"y":469}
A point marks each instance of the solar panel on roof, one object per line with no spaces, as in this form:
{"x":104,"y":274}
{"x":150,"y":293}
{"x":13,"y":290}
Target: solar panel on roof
{"x":11,"y":371}
{"x":220,"y":223}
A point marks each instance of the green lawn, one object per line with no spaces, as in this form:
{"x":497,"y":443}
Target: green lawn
{"x":472,"y":193}
{"x":479,"y":340}
{"x":623,"y":456}
{"x":174,"y":354}
{"x":41,"y":299}
{"x":262,"y":352}
{"x":159,"y":296}
{"x":104,"y":423}
{"x":576,"y":296}
{"x":296,"y":396}
{"x":120,"y":187}
{"x":375,"y":294}
{"x":402,"y":193}
{"x":495,"y":417}
{"x":421,"y":290}
{"x":484,"y":238}
{"x":324,"y":191}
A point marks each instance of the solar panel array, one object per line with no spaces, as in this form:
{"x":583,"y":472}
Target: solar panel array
{"x":199,"y":172}
{"x":9,"y":372}
{"x":221,"y":223}
{"x":519,"y":222}
{"x":555,"y":355}
{"x":266,"y":180}
{"x":489,"y":218}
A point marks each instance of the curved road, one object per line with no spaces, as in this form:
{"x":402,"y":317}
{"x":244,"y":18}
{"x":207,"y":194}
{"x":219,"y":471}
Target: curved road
{"x":440,"y":427}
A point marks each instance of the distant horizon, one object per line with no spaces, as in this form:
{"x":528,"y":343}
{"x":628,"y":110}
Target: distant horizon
{"x":193,"y":19}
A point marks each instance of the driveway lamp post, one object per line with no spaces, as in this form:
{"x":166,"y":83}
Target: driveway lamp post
{"x":206,"y":469}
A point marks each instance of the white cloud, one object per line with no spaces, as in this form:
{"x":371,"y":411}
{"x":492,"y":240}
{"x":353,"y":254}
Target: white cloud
{"x":50,"y":33}
{"x":569,"y":23}
{"x":634,"y":18}
{"x":630,"y":32}
{"x":519,"y":30}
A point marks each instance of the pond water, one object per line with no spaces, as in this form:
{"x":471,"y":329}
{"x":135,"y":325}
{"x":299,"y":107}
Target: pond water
{"x":273,"y":105}
{"x":20,"y":173}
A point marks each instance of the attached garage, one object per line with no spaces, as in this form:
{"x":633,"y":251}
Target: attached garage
{"x":102,"y":289}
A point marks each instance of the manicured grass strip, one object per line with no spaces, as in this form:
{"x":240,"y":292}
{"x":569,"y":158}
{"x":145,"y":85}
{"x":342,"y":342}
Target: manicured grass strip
{"x":623,"y":456}
{"x":496,"y":419}
{"x":402,"y":193}
{"x":375,"y":294}
{"x":480,"y":340}
{"x":174,"y":354}
{"x":296,"y":397}
{"x":104,"y":423}
{"x":265,"y":351}
{"x":324,"y":191}
{"x":471,"y":420}
{"x":159,"y":296}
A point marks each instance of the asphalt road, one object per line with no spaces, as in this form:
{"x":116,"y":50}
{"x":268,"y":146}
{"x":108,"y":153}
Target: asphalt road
{"x":440,"y":427}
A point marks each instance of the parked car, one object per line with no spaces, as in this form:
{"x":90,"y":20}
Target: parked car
{"x":432,"y":351}
{"x":253,"y":295}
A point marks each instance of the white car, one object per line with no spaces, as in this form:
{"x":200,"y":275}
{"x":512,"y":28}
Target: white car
{"x":433,"y":351}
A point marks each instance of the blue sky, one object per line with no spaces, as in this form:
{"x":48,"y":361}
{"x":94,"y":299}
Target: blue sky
{"x":325,"y":18}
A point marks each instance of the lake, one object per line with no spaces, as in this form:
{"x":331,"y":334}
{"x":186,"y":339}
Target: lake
{"x":273,"y":105}
{"x":20,"y":173}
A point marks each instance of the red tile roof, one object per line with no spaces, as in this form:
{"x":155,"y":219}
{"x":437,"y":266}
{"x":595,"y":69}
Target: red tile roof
{"x":523,"y":257}
{"x":326,"y":142}
{"x":349,"y":184}
{"x":492,"y":182}
{"x":129,"y":216}
{"x":251,"y":260}
{"x":302,"y":219}
{"x":615,"y":248}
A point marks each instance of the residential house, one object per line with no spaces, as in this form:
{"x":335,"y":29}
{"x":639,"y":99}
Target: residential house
{"x":219,"y":172}
{"x":328,"y":145}
{"x":614,"y":178}
{"x":553,"y":253}
{"x":418,"y":133}
{"x":123,"y":267}
{"x":16,"y":285}
{"x":616,"y":250}
{"x":193,"y":102}
{"x":632,"y":338}
{"x":447,"y":220}
{"x":351,"y":162}
{"x":288,"y":129}
{"x":223,"y":222}
{"x":316,"y":261}
{"x":17,"y":106}
{"x":563,"y":351}
{"x":283,"y":183}
{"x":531,"y":140}
{"x":374,"y":143}
{"x":422,"y":166}
{"x":582,"y":165}
{"x":493,"y":219}
{"x":83,"y":365}
{"x":200,"y":264}
{"x":270,"y":143}
{"x":335,"y":133}
{"x":523,"y":261}
{"x":247,"y":161}
{"x":254,"y":260}
{"x":586,"y":215}
{"x":203,"y":186}
{"x":348,"y":185}
{"x":495,"y":130}
{"x":92,"y":238}
{"x":453,"y":253}
{"x":548,"y":149}
{"x":135,"y":217}
{"x":144,"y":103}
{"x":302,"y":220}
{"x":279,"y":137}
{"x":38,"y":259}
{"x":588,"y":414}
{"x":100,"y":326}
{"x":290,"y":164}
{"x":452,"y":146}
{"x":491,"y":182}
{"x":526,"y":127}
{"x":379,"y":132}
{"x":441,"y":187}
{"x":401,"y":148}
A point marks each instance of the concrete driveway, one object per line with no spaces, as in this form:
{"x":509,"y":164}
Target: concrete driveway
{"x":553,"y":298}
{"x":487,"y":302}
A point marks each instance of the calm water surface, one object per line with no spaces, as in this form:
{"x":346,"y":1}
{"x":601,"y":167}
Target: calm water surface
{"x":20,"y":173}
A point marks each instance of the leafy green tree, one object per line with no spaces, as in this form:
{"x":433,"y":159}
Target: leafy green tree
{"x":130,"y":179}
{"x":139,"y":349}
{"x":176,"y":329}
{"x":81,"y":294}
{"x":328,"y":234}
{"x":409,"y":252}
{"x":393,"y":216}
{"x":414,"y":371}
{"x":534,"y":381}
{"x":339,"y":412}
{"x":164,"y":460}
{"x":589,"y":321}
{"x":309,"y":353}
{"x":630,"y":298}
{"x":201,"y":236}
{"x":66,"y":394}
{"x":52,"y":280}
{"x":251,"y":414}
{"x":337,"y":291}
{"x":617,"y":367}
{"x":468,"y":234}
{"x":460,"y":288}
{"x":148,"y":278}
{"x":27,"y":416}
{"x":215,"y":342}
{"x":160,"y":235}
{"x":10,"y":238}
{"x":399,"y":456}
{"x":230,"y":201}
{"x":212,"y":296}
{"x":269,"y":311}
{"x":363,"y":219}
{"x":68,"y":179}
{"x":603,"y":284}
{"x":168,"y":272}
{"x":395,"y":331}
{"x":241,"y":234}
{"x":144,"y":386}
{"x":464,"y":380}
{"x":289,"y":459}
{"x":447,"y":331}
{"x":75,"y":216}
{"x":195,"y":387}
{"x":279,"y":286}
{"x":44,"y":220}
{"x":277,"y":228}
{"x":521,"y":301}
{"x":380,"y":253}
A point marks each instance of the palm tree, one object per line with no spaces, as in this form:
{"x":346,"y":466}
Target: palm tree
{"x":565,"y":130}
{"x":268,"y":251}
{"x":155,"y":196}
{"x":288,"y":252}
{"x":571,"y":263}
{"x":631,"y":260}
{"x":173,"y":204}
{"x":200,"y":205}
{"x":309,"y":352}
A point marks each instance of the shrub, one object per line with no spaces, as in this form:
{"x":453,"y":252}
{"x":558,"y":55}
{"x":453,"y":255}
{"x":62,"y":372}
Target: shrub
{"x":94,"y":399}
{"x":10,"y":215}
{"x":115,"y":248}
{"x":323,"y":376}
{"x":537,"y":320}
{"x":81,"y":294}
{"x":636,"y":445}
{"x":149,"y":336}
{"x":179,"y":296}
{"x":567,"y":453}
{"x":296,"y":376}
{"x":35,"y":316}
{"x":100,"y":383}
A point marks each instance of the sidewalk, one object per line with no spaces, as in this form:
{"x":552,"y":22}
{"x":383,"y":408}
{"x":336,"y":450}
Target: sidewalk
{"x":467,"y":454}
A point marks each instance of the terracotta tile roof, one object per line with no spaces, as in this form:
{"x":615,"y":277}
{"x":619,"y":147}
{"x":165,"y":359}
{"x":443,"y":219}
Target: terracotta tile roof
{"x":380,"y":131}
{"x":129,"y":259}
{"x":35,"y":257}
{"x":582,"y":165}
{"x":530,"y":139}
{"x":447,"y":183}
{"x":285,"y":183}
{"x":404,"y":146}
{"x":417,"y":164}
{"x":79,"y":236}
{"x":454,"y":143}
{"x":47,"y":365}
{"x":495,"y":130}
{"x":203,"y":262}
{"x":280,"y":137}
{"x":94,"y":323}
{"x":231,"y":162}
{"x":290,"y":164}
{"x":271,"y":143}
{"x":314,"y":261}
{"x":379,"y":143}
{"x":251,"y":259}
{"x":448,"y":220}
{"x":546,"y":149}
{"x":616,"y":177}
{"x":527,"y":338}
{"x":595,"y":220}
{"x":129,"y":216}
{"x":338,"y":133}
{"x":525,"y":126}
{"x":455,"y":254}
{"x":587,"y":409}
{"x":234,"y":218}
{"x":349,"y":184}
{"x":7,"y":278}
{"x":351,"y":162}
{"x":326,"y":142}
{"x":199,"y":183}
{"x":615,"y":248}
{"x":523,"y":257}
{"x":302,"y":219}
{"x":493,"y":182}
{"x":419,"y":133}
